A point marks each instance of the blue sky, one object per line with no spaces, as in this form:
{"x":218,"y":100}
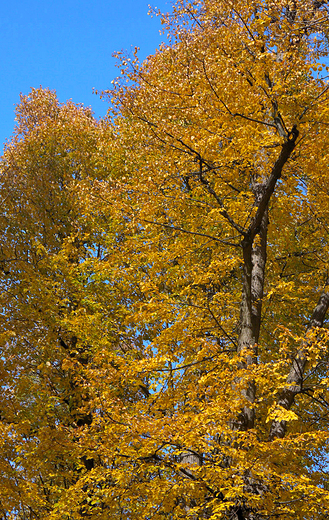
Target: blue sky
{"x":67,"y":45}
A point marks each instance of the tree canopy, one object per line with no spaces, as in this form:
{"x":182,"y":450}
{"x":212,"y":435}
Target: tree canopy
{"x":164,"y":280}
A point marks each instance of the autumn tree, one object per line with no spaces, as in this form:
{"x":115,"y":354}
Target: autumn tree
{"x":195,"y":343}
{"x":48,"y":244}
{"x":225,"y":135}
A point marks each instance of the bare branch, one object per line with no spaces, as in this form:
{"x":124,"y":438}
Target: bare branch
{"x":168,"y":226}
{"x":243,"y":116}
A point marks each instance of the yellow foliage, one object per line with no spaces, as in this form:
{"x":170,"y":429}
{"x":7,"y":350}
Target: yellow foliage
{"x":164,"y":272}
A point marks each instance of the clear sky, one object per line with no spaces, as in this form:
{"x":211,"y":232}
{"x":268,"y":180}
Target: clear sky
{"x":67,"y":45}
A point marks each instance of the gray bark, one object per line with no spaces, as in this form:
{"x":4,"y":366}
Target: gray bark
{"x":254,"y":261}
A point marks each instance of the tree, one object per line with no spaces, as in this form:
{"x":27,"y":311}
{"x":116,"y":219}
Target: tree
{"x":48,"y":244}
{"x":225,"y":136}
{"x":204,"y":391}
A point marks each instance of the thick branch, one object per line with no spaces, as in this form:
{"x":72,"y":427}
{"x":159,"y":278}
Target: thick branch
{"x":286,"y":150}
{"x":296,"y":374}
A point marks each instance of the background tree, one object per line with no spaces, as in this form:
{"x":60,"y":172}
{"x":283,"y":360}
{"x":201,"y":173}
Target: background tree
{"x":48,"y":246}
